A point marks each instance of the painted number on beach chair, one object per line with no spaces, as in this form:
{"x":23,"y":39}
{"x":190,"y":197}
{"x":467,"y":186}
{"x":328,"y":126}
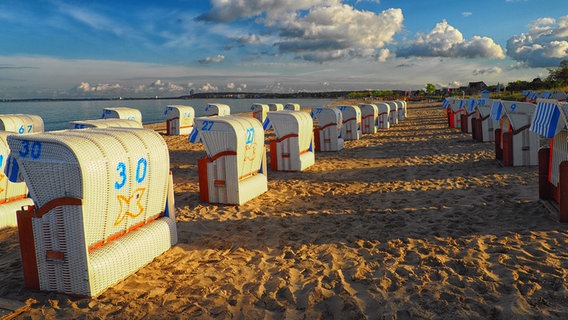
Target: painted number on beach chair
{"x":22,"y":129}
{"x":513,"y":107}
{"x":141,"y":169}
{"x":250,"y":135}
{"x":207,"y":125}
{"x":1,"y":161}
{"x":30,"y":149}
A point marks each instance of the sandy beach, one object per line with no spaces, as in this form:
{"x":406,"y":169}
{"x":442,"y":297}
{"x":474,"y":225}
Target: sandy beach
{"x":415,"y":222}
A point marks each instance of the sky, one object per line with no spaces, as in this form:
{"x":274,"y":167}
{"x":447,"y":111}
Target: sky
{"x":95,"y":48}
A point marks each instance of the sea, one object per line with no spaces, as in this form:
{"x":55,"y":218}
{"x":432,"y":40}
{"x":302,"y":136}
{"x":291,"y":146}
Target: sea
{"x":56,"y":115}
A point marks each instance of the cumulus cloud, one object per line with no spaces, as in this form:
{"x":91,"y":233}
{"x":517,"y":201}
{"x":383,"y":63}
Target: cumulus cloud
{"x":216,"y":59}
{"x":339,"y":31}
{"x":208,"y":87}
{"x":227,"y":11}
{"x":486,"y":71}
{"x":544,"y":45}
{"x":314,"y":30}
{"x":446,"y":41}
{"x":101,"y":87}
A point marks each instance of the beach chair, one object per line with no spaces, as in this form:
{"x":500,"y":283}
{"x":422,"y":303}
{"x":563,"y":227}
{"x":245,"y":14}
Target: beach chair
{"x":275,"y":107}
{"x":217,"y":109}
{"x":179,"y":119}
{"x":122,"y":113}
{"x":293,"y":148}
{"x":103,"y":206}
{"x":234,"y":170}
{"x":457,"y":108}
{"x":104,"y":123}
{"x":292,"y":106}
{"x":484,"y":126}
{"x":551,"y":121}
{"x":13,"y":195}
{"x":21,"y":123}
{"x":515,"y":145}
{"x":351,"y":128}
{"x":383,"y":115}
{"x":393,"y":113}
{"x":327,"y":133}
{"x":259,"y":111}
{"x":447,"y":105}
{"x":466,"y":124}
{"x":369,"y":114}
{"x":401,"y":107}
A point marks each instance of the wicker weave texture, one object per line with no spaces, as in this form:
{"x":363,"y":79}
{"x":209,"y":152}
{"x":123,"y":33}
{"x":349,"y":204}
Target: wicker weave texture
{"x":275,"y":107}
{"x":393,"y":113}
{"x":294,"y":131}
{"x":180,"y":119}
{"x":105,"y":123}
{"x":259,"y":111}
{"x":330,"y":121}
{"x":292,"y":106}
{"x":122,"y":177}
{"x":122,"y":113}
{"x":383,"y":116}
{"x":235,"y":146}
{"x":351,"y":129}
{"x":8,"y":212}
{"x":369,"y":114}
{"x":217,"y":109}
{"x":21,"y":123}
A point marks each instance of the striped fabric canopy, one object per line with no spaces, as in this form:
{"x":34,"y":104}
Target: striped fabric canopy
{"x":549,"y":118}
{"x":497,"y":110}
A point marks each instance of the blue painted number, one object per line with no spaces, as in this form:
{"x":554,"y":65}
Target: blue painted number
{"x":250,"y":135}
{"x":30,"y":149}
{"x":207,"y":125}
{"x":141,"y":169}
{"x":513,"y":107}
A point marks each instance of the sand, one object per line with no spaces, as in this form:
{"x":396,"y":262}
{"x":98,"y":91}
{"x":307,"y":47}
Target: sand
{"x":414,"y":222}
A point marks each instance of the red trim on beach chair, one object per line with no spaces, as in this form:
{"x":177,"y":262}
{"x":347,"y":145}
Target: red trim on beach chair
{"x":2,"y":201}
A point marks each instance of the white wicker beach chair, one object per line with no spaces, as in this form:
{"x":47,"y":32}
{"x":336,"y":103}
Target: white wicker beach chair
{"x":401,"y":107}
{"x":515,"y":145}
{"x":327,"y":135}
{"x":104,"y":123}
{"x":369,"y":115}
{"x":103,"y":206}
{"x":275,"y":107}
{"x":179,"y":119}
{"x":122,"y":113}
{"x":293,"y":148}
{"x":21,"y":123}
{"x":13,"y":195}
{"x":551,"y":121}
{"x":234,"y":170}
{"x":393,"y":113}
{"x":484,"y":128}
{"x":351,"y":128}
{"x":259,"y":111}
{"x":383,"y":116}
{"x":217,"y":109}
{"x":292,"y":106}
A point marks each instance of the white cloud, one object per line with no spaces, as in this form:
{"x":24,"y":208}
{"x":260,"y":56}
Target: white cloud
{"x":216,"y":59}
{"x":101,"y":87}
{"x":339,"y":31}
{"x":227,"y":11}
{"x":486,"y":71}
{"x":208,"y":87}
{"x":466,"y":14}
{"x":314,"y":30}
{"x":544,"y":45}
{"x":446,"y":41}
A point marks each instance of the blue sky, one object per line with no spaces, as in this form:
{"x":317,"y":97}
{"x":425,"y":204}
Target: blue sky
{"x":62,"y":48}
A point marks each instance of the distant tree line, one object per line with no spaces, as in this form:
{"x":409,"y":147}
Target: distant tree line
{"x":557,"y":79}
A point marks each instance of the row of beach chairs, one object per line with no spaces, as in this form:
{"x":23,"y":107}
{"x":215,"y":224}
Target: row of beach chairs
{"x":96,"y":204}
{"x":518,"y":130}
